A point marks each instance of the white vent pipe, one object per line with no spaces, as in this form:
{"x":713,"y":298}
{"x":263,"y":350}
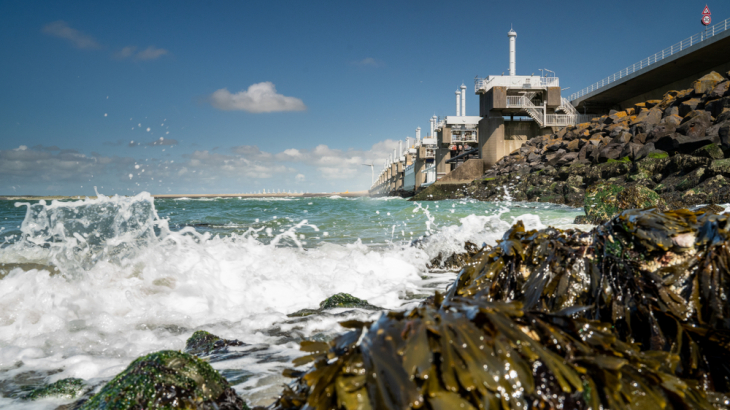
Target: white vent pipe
{"x":463,"y":100}
{"x":512,"y":52}
{"x":418,"y":136}
{"x":458,"y":103}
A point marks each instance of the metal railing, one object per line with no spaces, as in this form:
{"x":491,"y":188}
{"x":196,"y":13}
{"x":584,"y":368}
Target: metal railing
{"x":549,"y":82}
{"x":514,"y":101}
{"x":666,"y":53}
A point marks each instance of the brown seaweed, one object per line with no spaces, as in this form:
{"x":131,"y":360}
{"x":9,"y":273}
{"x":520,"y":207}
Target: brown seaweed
{"x":633,"y":314}
{"x":475,"y":354}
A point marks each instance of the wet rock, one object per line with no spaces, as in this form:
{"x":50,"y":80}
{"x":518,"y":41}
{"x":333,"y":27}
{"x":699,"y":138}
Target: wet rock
{"x":63,"y":389}
{"x":611,"y":151}
{"x":695,"y":124}
{"x":716,"y":107}
{"x":202,"y":343}
{"x":340,"y":300}
{"x":711,"y":151}
{"x":456,"y":260}
{"x":688,"y":106}
{"x":605,"y":200}
{"x":167,"y":380}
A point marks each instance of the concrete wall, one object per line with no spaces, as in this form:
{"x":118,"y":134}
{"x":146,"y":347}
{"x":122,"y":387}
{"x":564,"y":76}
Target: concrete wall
{"x":497,"y":137}
{"x":409,"y":181}
{"x":494,"y":99}
{"x":553,"y":97}
{"x":442,"y":155}
{"x":468,"y":171}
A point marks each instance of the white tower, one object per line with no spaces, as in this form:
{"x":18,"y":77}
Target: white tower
{"x":432,"y":125}
{"x":458,"y":103}
{"x":435,"y":123}
{"x":512,"y":52}
{"x":418,"y":136}
{"x":463,"y":100}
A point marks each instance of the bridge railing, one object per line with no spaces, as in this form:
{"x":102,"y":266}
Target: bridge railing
{"x":666,"y":53}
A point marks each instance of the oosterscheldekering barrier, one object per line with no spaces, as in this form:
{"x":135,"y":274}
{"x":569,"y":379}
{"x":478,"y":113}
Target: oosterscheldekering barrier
{"x":514,"y":109}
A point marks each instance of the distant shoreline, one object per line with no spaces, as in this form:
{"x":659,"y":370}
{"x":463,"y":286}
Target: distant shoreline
{"x":175,"y":196}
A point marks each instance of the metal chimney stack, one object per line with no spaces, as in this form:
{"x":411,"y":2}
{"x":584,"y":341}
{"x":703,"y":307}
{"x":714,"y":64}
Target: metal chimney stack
{"x":512,"y":52}
{"x":458,"y":103}
{"x":418,"y":135}
{"x":435,"y":124}
{"x":463,"y":100}
{"x":432,"y":126}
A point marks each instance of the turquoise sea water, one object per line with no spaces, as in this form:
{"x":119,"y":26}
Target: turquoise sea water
{"x":88,"y":286}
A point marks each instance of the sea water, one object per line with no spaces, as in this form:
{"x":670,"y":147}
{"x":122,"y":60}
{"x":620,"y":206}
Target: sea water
{"x":88,"y":286}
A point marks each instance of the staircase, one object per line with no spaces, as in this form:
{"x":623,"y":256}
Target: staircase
{"x":549,"y":120}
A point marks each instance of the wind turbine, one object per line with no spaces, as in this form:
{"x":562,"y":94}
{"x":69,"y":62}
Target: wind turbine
{"x":372,"y":172}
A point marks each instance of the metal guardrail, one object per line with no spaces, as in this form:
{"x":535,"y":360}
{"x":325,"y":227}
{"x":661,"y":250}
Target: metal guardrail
{"x":653,"y":59}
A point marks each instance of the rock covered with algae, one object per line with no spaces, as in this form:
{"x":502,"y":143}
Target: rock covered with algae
{"x":64,"y":389}
{"x":167,"y":380}
{"x":339,"y":300}
{"x":202,"y":344}
{"x":633,"y":314}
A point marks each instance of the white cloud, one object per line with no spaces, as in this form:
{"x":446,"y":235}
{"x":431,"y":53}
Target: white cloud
{"x":332,"y":164}
{"x":150,"y":53}
{"x":300,"y":178}
{"x":125,"y":52}
{"x":259,"y":98}
{"x":78,"y":39}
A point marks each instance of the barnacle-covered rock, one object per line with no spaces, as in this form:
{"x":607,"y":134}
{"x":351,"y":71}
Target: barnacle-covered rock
{"x":167,"y":380}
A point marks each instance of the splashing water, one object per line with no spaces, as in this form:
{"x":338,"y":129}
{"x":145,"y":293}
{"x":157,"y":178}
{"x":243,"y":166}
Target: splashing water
{"x":99,"y":282}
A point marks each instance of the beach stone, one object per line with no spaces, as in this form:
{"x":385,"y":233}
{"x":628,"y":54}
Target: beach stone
{"x":631,"y":150}
{"x":340,"y":300}
{"x":167,"y":379}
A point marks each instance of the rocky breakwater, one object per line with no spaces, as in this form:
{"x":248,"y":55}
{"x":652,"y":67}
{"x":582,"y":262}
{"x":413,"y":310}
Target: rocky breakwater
{"x":670,"y":153}
{"x":632,"y":315}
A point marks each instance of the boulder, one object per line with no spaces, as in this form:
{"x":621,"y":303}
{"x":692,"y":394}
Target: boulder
{"x":62,"y":389}
{"x":610,"y":151}
{"x":711,"y":151}
{"x":340,"y":300}
{"x":723,"y":134}
{"x":658,"y":132}
{"x":647,"y":120}
{"x":695,"y":124}
{"x":605,"y":200}
{"x":688,"y":106}
{"x":630,"y":150}
{"x":717,"y":106}
{"x":202,"y":343}
{"x":167,"y":379}
{"x":720,"y":90}
{"x":681,"y":143}
{"x":647,"y":150}
{"x":707,"y":83}
{"x":671,"y":110}
{"x":621,"y":138}
{"x":672,"y":121}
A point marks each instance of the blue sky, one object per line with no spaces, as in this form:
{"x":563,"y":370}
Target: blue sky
{"x":335,"y":84}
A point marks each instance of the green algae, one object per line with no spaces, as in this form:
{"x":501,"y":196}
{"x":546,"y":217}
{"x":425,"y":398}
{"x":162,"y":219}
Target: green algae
{"x":166,"y":380}
{"x":202,"y":343}
{"x":64,"y":389}
{"x":658,"y":155}
{"x":340,"y":300}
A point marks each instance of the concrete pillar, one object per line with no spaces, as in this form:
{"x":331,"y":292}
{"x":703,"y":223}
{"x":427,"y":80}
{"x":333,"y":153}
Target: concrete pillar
{"x":442,"y":168}
{"x":491,"y":138}
{"x":419,"y":166}
{"x":458,"y":103}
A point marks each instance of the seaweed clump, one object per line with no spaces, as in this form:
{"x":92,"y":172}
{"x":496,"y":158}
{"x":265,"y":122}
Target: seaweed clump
{"x":633,"y":314}
{"x":167,"y":380}
{"x":473,"y":354}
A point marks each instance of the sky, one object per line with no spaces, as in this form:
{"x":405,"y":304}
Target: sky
{"x":192,"y":97}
